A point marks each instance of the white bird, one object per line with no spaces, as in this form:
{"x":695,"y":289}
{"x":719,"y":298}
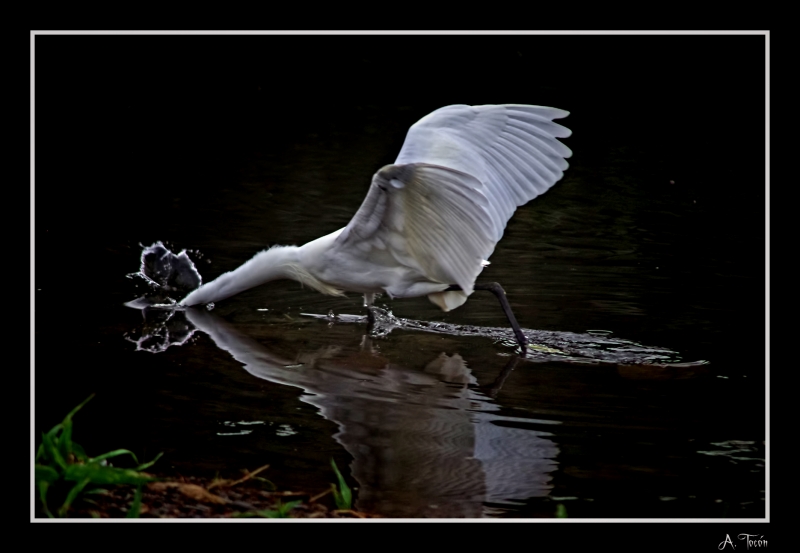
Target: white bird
{"x":431,"y":220}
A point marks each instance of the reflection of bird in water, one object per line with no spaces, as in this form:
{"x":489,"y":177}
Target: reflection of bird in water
{"x":424,"y":442}
{"x":431,"y":220}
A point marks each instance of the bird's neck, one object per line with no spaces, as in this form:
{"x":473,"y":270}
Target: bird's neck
{"x":275,"y":263}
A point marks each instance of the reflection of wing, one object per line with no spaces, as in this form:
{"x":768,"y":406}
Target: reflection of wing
{"x":462,"y":171}
{"x":517,"y":462}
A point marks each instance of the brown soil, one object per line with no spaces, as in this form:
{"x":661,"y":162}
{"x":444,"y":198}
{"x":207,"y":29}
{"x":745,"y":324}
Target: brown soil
{"x":195,"y":497}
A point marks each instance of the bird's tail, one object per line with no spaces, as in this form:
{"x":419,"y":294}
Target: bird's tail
{"x":448,"y":301}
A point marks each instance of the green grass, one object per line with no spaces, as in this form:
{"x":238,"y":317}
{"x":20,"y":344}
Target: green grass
{"x":281,"y":511}
{"x":341,"y":495}
{"x":63,"y":464}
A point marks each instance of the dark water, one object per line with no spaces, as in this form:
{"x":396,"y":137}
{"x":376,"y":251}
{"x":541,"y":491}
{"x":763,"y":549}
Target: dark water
{"x":650,"y":248}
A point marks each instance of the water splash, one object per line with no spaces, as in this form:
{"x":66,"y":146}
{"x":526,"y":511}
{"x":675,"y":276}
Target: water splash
{"x":162,"y":329}
{"x":168,"y":276}
{"x":235,"y":428}
{"x":737,"y":450}
{"x":593,"y":347}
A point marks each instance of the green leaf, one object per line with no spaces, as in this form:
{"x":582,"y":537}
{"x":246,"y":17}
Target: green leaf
{"x":45,"y":447}
{"x":342,"y":496}
{"x":115,"y":453}
{"x":43,"y":485}
{"x":73,"y":493}
{"x":46,"y":474}
{"x":78,"y":408}
{"x":282,"y":511}
{"x":151,"y":463}
{"x":136,"y":504}
{"x":98,"y":474}
{"x":561,"y":511}
{"x":79,"y":453}
{"x":284,"y":508}
{"x":56,"y":457}
{"x":65,"y":440}
{"x":51,"y":451}
{"x":266,"y":483}
{"x":55,"y":430}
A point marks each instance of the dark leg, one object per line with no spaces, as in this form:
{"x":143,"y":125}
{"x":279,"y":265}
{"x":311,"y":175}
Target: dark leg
{"x":498,"y":291}
{"x":494,"y":388}
{"x":368,"y":299}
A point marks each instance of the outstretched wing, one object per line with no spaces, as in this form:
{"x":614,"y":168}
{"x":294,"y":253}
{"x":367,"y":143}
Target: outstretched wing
{"x":462,"y":171}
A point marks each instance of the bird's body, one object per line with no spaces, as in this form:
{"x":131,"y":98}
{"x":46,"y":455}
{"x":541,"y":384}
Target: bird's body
{"x":431,"y":220}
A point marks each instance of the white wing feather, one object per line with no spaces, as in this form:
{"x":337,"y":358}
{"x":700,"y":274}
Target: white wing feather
{"x":462,"y":172}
